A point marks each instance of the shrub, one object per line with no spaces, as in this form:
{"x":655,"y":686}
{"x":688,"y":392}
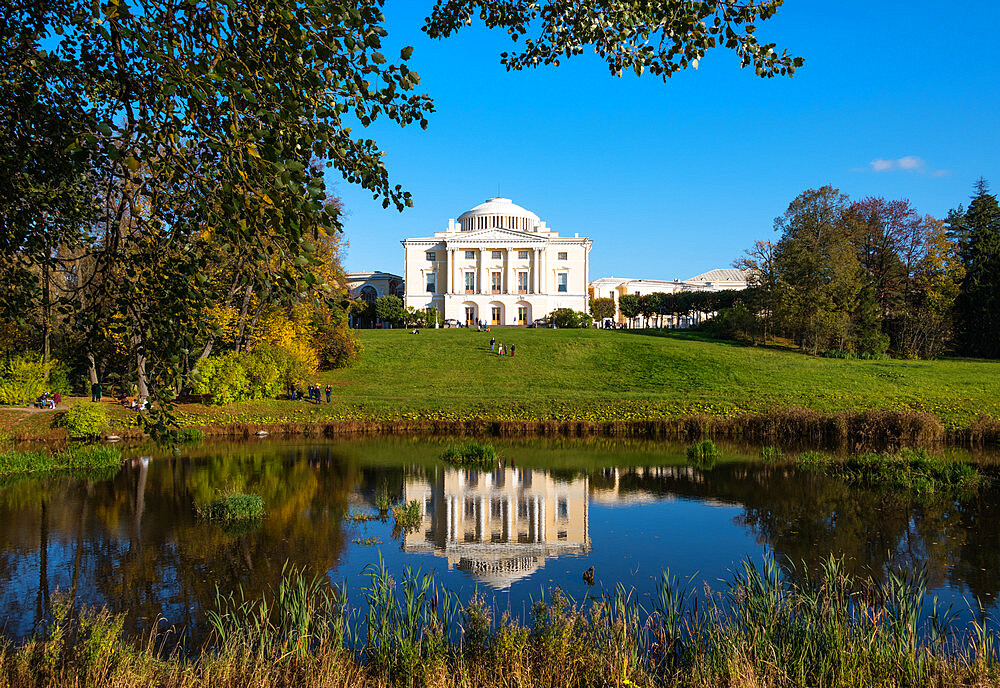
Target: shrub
{"x":233,"y":507}
{"x":471,"y":453}
{"x":915,"y":471}
{"x":22,"y":379}
{"x":567,"y":317}
{"x":339,"y":348}
{"x":85,"y":421}
{"x":264,"y":372}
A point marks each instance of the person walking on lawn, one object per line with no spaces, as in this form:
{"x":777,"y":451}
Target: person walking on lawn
{"x":493,"y":341}
{"x":512,"y":351}
{"x":329,"y":393}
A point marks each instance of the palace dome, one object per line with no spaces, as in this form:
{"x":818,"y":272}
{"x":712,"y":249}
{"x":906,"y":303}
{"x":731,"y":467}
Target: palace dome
{"x":499,"y":212}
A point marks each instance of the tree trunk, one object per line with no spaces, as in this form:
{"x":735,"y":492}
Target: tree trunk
{"x":243,"y":318}
{"x":91,"y":368}
{"x":46,"y":319}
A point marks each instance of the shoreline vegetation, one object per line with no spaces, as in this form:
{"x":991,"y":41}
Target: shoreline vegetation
{"x":769,"y":626}
{"x":643,"y":384}
{"x":73,"y":459}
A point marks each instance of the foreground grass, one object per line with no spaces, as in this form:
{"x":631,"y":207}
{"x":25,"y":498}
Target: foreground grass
{"x":75,"y":458}
{"x":599,"y":376}
{"x":768,"y":628}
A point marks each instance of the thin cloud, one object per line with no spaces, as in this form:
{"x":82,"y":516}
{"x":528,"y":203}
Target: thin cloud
{"x":907,"y":163}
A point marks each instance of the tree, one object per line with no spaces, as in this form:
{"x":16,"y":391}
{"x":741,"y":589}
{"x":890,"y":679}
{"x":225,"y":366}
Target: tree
{"x":389,"y":309}
{"x":170,"y":145}
{"x":630,"y":307}
{"x":818,"y":270}
{"x":978,"y":302}
{"x":602,"y":309}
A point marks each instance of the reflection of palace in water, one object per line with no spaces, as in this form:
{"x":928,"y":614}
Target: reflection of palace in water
{"x":499,"y":526}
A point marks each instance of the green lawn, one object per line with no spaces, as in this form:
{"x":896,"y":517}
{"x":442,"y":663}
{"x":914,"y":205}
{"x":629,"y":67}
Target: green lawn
{"x":601,"y":375}
{"x":606,"y":375}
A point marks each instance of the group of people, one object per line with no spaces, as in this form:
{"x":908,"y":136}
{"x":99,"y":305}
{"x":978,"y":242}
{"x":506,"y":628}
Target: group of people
{"x":316,"y":393}
{"x":48,"y":400}
{"x":500,"y":348}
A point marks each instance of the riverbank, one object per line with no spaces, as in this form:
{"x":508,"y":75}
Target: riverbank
{"x":770,"y":628}
{"x":591,"y":382}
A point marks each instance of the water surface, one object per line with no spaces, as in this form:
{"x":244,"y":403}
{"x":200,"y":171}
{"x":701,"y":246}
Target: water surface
{"x":552,"y":510}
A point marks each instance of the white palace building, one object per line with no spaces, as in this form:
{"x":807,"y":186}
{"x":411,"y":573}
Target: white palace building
{"x":498,"y":264}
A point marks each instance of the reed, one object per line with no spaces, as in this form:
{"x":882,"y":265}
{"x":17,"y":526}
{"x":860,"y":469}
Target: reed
{"x":471,"y":454}
{"x":233,"y":506}
{"x":408,"y":516}
{"x":771,"y":626}
{"x":913,"y":470}
{"x":75,"y":458}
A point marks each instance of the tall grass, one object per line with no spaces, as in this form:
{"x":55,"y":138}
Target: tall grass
{"x":74,"y":458}
{"x":471,"y":454}
{"x":913,"y":470}
{"x":771,"y":626}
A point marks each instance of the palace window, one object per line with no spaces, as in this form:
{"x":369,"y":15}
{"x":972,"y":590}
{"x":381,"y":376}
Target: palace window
{"x":470,"y":255}
{"x":470,"y":283}
{"x":522,"y":255}
{"x":431,"y":255}
{"x":431,"y":283}
{"x":562,"y":255}
{"x":495,"y":255}
{"x":522,"y":282}
{"x":495,"y":280}
{"x":561,"y":281}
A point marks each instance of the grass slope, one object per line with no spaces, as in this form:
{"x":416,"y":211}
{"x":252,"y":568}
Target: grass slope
{"x":603,"y":375}
{"x":597,"y":375}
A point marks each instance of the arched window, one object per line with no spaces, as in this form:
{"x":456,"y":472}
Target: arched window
{"x":368,"y":293}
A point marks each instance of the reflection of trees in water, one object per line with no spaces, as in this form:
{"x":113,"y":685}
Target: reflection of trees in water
{"x":142,"y":550}
{"x":805,"y":517}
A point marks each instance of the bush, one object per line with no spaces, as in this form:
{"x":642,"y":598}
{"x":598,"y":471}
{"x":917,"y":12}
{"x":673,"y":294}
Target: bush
{"x":339,"y":348}
{"x":567,"y":317}
{"x":264,"y":372}
{"x":22,"y":379}
{"x":85,"y":421}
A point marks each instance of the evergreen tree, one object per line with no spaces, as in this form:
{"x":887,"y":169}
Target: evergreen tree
{"x":978,"y":303}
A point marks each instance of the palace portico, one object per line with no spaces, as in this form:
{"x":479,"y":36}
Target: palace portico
{"x":498,"y":263}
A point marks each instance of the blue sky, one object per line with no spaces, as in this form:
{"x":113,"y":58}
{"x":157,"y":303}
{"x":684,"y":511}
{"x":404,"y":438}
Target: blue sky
{"x":896,"y":98}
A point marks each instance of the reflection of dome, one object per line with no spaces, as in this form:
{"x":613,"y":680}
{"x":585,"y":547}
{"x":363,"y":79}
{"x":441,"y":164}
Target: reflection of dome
{"x":499,"y":212}
{"x":499,"y":573}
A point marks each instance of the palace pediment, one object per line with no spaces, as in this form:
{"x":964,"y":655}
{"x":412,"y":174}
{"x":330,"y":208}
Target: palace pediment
{"x":495,"y":236}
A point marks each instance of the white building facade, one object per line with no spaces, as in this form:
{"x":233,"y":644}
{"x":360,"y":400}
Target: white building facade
{"x":498,"y":264}
{"x":714,"y":280}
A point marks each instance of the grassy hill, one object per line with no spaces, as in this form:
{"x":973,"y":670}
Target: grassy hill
{"x":600,"y":376}
{"x":604,"y":375}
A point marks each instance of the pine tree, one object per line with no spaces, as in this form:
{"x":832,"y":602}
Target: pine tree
{"x":978,"y":303}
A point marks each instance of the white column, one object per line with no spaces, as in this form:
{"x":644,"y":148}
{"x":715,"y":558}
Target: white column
{"x":511,"y":277}
{"x":535,"y":270}
{"x":483,"y":276}
{"x":448,"y":268}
